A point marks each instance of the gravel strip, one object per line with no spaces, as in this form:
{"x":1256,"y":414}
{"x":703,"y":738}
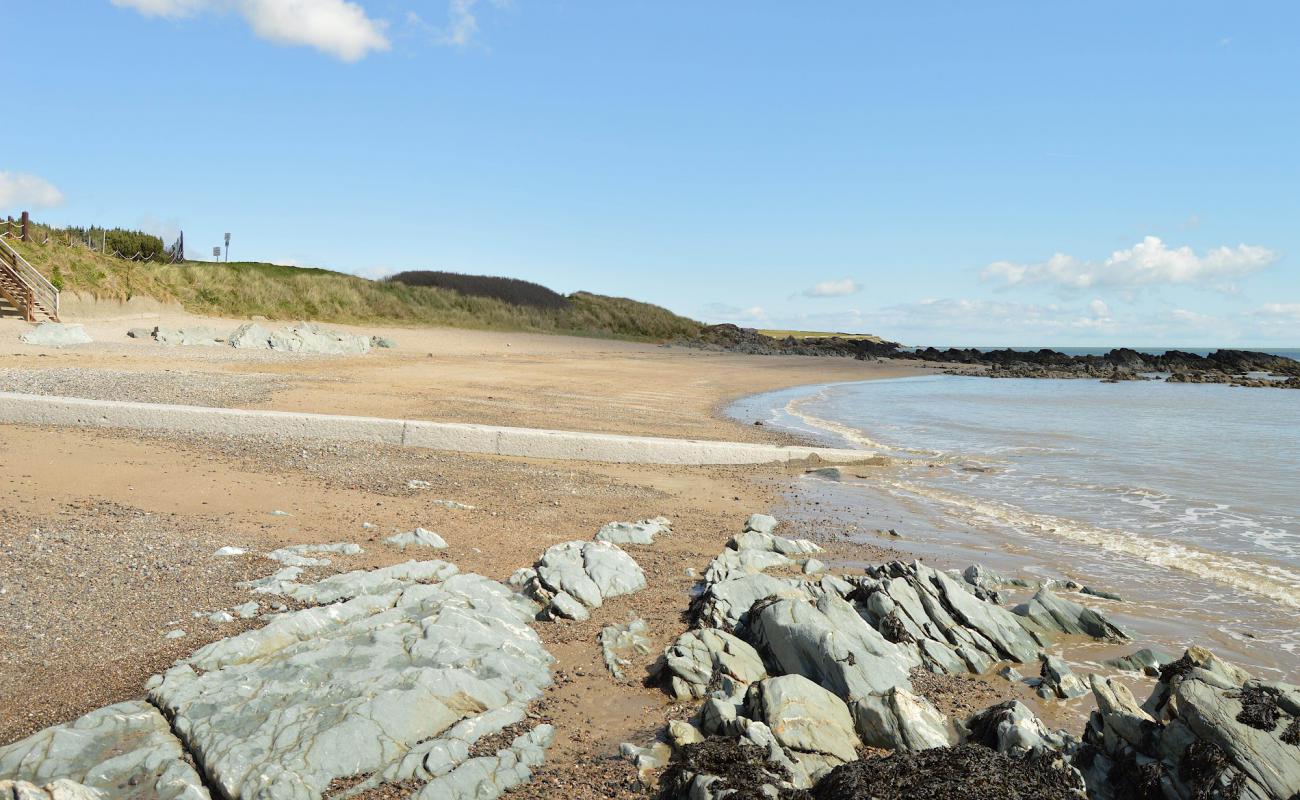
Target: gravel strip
{"x":218,"y":390}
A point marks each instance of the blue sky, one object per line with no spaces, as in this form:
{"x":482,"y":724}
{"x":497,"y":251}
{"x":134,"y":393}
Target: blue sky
{"x":955,"y":173}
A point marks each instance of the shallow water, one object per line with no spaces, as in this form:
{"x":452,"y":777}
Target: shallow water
{"x":1184,"y":499}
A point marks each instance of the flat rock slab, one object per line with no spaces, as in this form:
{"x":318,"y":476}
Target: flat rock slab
{"x":642,"y":532}
{"x":126,"y":751}
{"x":352,"y":688}
{"x":585,"y":572}
{"x":417,"y":538}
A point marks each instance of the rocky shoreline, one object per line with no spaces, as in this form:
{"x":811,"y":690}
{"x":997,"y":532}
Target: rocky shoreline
{"x":1234,"y":367}
{"x":417,"y":680}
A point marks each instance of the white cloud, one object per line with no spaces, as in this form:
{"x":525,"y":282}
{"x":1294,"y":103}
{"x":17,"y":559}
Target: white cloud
{"x":336,"y":27}
{"x":18,"y":189}
{"x":462,"y":25}
{"x":1147,"y":263}
{"x":1099,"y":309}
{"x":752,"y":316}
{"x":839,"y":288}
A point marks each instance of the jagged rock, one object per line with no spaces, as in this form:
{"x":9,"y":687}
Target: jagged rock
{"x":642,"y":532}
{"x":382,"y":342}
{"x":417,"y":538}
{"x":351,"y":688}
{"x":489,"y":777}
{"x":619,"y":644}
{"x":683,"y":733}
{"x":1057,"y":679}
{"x":1102,"y":593}
{"x":1206,"y":728}
{"x":294,"y":555}
{"x":732,"y":563}
{"x":812,"y":566}
{"x":1012,"y":728}
{"x":307,"y":337}
{"x":1146,"y":660}
{"x":900,"y":720}
{"x":830,"y":644}
{"x":700,"y":657}
{"x":56,"y":334}
{"x":812,"y":725}
{"x":726,"y":604}
{"x":564,"y":606}
{"x":589,"y":572}
{"x":1057,"y":614}
{"x":759,"y":540}
{"x":125,"y":751}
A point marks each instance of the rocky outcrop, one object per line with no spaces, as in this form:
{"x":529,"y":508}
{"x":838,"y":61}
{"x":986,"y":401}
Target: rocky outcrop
{"x":572,"y":577}
{"x":900,"y":720}
{"x":56,"y":334}
{"x":642,"y":532}
{"x":300,"y":555}
{"x":124,"y":751}
{"x":1052,"y":613}
{"x":708,"y":661}
{"x":1207,"y":730}
{"x":1057,"y":680}
{"x":1146,"y":661}
{"x":811,"y":724}
{"x":1011,"y":728}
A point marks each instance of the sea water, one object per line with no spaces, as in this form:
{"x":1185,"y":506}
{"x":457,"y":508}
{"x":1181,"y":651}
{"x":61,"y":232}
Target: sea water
{"x":1183,"y":498}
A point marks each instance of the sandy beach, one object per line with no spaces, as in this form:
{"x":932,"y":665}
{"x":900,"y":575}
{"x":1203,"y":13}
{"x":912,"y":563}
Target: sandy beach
{"x":109,"y":536}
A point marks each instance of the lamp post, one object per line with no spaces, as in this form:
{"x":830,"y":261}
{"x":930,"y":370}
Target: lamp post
{"x":227,"y":248}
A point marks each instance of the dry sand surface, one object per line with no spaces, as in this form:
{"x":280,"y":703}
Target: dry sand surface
{"x":108,"y":539}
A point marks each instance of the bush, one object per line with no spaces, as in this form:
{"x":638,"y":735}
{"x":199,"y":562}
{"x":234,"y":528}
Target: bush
{"x":510,"y":290}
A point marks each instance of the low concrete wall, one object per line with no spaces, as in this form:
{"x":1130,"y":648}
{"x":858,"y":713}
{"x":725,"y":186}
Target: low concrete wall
{"x":77,"y":307}
{"x":28,"y":409}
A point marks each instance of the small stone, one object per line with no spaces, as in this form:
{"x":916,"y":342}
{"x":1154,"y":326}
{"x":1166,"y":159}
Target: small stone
{"x":174,"y":634}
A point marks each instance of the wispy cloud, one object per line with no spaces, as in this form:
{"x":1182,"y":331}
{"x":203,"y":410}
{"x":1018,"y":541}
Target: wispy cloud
{"x":28,"y":191}
{"x":337,"y":28}
{"x":840,"y":288}
{"x":1147,"y":263}
{"x":723,"y":312}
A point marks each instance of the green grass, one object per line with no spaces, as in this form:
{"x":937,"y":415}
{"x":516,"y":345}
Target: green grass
{"x":819,"y":335}
{"x":245,"y":289}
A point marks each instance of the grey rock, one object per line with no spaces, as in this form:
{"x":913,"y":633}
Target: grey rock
{"x":697,"y":657}
{"x":726,"y":604}
{"x":489,"y":777}
{"x":417,"y":538}
{"x":176,"y":633}
{"x":994,"y":623}
{"x":620,"y":644}
{"x":1146,"y":660}
{"x":812,"y":725}
{"x":1102,"y":593}
{"x":188,"y":337}
{"x":812,"y":566}
{"x":1012,"y":728}
{"x":452,"y":504}
{"x":125,"y":751}
{"x":831,"y":645}
{"x":296,"y":555}
{"x":306,"y":337}
{"x":1011,"y":674}
{"x":563,"y":606}
{"x":587,"y":571}
{"x":900,"y":720}
{"x":382,"y":342}
{"x":642,"y":532}
{"x":762,"y":523}
{"x":246,"y":610}
{"x":140,"y":333}
{"x":1058,"y":680}
{"x":61,"y":789}
{"x":56,"y":334}
{"x":683,"y":733}
{"x":1055,"y":613}
{"x":758,"y":540}
{"x":354,"y":687}
{"x":734,"y":563}
{"x":828,"y":473}
{"x":221,"y":617}
{"x":348,"y":585}
{"x":251,"y":336}
{"x":416,"y":483}
{"x":230,"y":551}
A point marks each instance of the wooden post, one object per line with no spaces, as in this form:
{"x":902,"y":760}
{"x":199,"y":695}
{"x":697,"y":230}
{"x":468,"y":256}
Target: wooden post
{"x":26,"y":220}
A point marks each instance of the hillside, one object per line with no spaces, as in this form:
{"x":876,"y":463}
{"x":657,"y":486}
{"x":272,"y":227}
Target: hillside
{"x":244,"y":289}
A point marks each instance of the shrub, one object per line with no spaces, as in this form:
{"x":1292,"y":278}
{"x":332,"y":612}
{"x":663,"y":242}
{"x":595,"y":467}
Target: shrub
{"x":511,"y":290}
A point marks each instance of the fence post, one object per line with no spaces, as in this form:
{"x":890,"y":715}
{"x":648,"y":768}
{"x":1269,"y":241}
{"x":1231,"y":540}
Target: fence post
{"x":26,"y":220}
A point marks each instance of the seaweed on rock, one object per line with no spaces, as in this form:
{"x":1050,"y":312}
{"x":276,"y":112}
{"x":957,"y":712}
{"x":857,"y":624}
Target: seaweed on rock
{"x":943,"y":773}
{"x":742,"y":768}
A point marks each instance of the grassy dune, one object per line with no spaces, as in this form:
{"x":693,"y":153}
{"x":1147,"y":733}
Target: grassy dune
{"x":775,"y":334}
{"x":244,"y":289}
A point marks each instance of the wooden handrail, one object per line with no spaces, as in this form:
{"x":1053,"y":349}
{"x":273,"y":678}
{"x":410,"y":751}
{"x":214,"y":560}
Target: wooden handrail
{"x":39,"y":289}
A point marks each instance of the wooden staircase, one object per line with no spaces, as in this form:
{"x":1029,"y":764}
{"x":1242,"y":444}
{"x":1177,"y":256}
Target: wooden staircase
{"x":26,"y":289}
